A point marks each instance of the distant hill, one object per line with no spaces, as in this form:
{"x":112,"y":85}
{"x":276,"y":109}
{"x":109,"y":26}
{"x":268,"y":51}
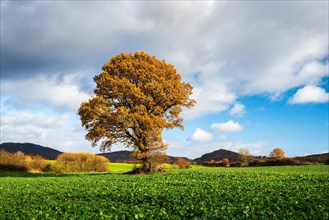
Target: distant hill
{"x":318,"y":158}
{"x":218,"y":155}
{"x":124,"y":156}
{"x":31,"y":149}
{"x":118,"y":156}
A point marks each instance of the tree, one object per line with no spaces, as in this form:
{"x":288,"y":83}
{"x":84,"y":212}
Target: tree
{"x":136,"y":97}
{"x":244,"y":156}
{"x":226,"y":162}
{"x":277,"y":153}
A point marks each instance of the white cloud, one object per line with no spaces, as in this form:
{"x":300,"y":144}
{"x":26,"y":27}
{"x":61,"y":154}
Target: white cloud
{"x":238,"y":110}
{"x":46,"y":89}
{"x":310,"y":94}
{"x":227,"y":126}
{"x":234,"y":56}
{"x":241,"y":49}
{"x":41,"y":119}
{"x":312,"y":72}
{"x":201,"y":135}
{"x":211,"y":99}
{"x":59,"y":131}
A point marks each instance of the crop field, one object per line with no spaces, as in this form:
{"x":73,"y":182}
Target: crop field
{"x":299,"y":192}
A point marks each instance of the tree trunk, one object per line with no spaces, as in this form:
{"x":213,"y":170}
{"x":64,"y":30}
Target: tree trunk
{"x":146,"y":165}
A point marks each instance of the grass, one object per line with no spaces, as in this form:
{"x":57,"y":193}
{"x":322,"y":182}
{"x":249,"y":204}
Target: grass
{"x":290,"y":192}
{"x":120,"y":167}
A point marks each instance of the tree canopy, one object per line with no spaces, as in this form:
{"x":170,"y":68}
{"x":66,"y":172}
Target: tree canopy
{"x":277,"y":153}
{"x":136,"y":97}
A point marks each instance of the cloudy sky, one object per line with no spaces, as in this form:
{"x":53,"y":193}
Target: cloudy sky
{"x":259,"y":69}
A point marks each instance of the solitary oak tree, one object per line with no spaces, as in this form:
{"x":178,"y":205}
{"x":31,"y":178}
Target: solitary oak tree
{"x":277,"y":153}
{"x":136,"y":97}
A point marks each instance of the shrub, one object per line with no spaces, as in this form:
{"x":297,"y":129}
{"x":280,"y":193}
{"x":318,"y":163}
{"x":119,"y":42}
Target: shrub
{"x":12,"y":162}
{"x":327,"y":161}
{"x":213,"y":163}
{"x":36,"y":163}
{"x":276,"y":162}
{"x":217,"y":163}
{"x":79,"y":162}
{"x":257,"y":162}
{"x":19,"y":162}
{"x":183,"y":164}
{"x":236,"y":164}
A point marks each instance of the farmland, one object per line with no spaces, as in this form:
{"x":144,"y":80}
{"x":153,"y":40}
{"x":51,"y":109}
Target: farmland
{"x":299,"y":192}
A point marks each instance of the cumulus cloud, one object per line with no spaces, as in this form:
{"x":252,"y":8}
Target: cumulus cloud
{"x":310,"y":94}
{"x":238,"y":110}
{"x":241,"y":48}
{"x":227,"y":126}
{"x":233,"y":56}
{"x":63,"y":93}
{"x":60,"y":131}
{"x":211,"y":99}
{"x":201,"y":135}
{"x":41,"y":119}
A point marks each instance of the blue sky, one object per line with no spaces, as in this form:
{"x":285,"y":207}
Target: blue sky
{"x":259,"y":70}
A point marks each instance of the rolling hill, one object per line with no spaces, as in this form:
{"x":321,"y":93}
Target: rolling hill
{"x":218,"y":155}
{"x":31,"y":149}
{"x":318,"y":158}
{"x":118,"y":156}
{"x":124,"y":156}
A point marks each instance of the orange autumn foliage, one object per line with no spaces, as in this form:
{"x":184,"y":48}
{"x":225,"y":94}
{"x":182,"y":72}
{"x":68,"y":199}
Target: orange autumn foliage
{"x":277,"y":153}
{"x":136,"y":97}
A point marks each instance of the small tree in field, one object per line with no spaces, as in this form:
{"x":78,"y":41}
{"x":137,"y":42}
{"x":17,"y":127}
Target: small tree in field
{"x":277,"y":153}
{"x":136,"y":97}
{"x":244,"y":156}
{"x":226,"y":162}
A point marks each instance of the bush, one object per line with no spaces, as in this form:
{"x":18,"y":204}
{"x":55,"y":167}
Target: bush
{"x":276,"y":162}
{"x":36,"y":163}
{"x":183,"y":164}
{"x":236,"y":164}
{"x":327,"y":161}
{"x":19,"y":162}
{"x":217,"y":163}
{"x":13,"y":162}
{"x":79,"y":162}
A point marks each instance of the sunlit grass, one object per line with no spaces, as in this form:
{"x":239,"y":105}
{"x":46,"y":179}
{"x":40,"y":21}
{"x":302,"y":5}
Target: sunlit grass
{"x":120,"y":167}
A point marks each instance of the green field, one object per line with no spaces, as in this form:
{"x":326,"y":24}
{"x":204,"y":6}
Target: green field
{"x":299,"y":192}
